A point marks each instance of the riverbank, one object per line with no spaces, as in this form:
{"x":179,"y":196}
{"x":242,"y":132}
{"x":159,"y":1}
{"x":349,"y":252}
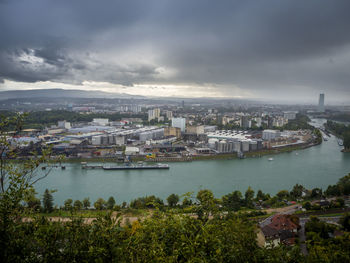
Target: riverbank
{"x":224,"y":156}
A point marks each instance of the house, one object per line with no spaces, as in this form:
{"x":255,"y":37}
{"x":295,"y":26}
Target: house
{"x":278,"y":229}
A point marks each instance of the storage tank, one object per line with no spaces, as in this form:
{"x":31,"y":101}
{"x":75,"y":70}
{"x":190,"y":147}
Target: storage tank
{"x":96,"y":140}
{"x":245,"y":145}
{"x":236,"y":146}
{"x":222,"y":146}
{"x":253,"y":145}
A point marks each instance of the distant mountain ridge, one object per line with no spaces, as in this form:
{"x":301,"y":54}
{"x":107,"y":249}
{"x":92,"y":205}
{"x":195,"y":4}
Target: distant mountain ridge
{"x":61,"y":93}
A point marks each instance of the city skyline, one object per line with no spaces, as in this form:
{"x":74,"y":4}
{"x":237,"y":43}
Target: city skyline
{"x":187,"y":49}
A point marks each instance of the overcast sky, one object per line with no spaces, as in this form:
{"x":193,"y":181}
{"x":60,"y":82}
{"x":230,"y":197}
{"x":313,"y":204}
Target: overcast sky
{"x":288,"y":50}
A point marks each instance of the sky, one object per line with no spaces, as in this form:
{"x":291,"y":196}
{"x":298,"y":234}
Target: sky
{"x":288,"y":50}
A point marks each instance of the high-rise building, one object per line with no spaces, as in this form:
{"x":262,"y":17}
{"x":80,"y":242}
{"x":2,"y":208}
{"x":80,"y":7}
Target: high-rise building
{"x":179,"y":123}
{"x":169,"y":114}
{"x":321,"y":103}
{"x":153,"y":114}
{"x":245,"y":122}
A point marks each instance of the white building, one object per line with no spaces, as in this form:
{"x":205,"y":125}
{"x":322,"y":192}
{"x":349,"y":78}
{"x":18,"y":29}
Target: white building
{"x":100,"y":121}
{"x":169,"y":114}
{"x":153,"y":114}
{"x":270,"y":134}
{"x":64,"y":125}
{"x":290,"y":115}
{"x":179,"y":123}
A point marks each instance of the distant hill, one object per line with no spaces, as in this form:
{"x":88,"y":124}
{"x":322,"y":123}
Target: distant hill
{"x":61,"y":93}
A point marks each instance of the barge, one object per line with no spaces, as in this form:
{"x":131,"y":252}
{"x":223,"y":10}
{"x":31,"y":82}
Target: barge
{"x":136,"y":167}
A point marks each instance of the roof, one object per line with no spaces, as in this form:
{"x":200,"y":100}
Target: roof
{"x":269,"y":231}
{"x":282,"y":222}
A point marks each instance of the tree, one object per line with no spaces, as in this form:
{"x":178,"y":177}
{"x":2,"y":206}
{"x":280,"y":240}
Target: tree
{"x":345,"y":221}
{"x":86,"y":203}
{"x":207,"y":204}
{"x":110,"y":202}
{"x":77,"y":205}
{"x":47,"y":201}
{"x":283,"y":194}
{"x":316,"y":193}
{"x":307,"y":205}
{"x":346,"y":142}
{"x":186,"y":202}
{"x":233,"y":201}
{"x":100,"y":204}
{"x":248,"y":197}
{"x":68,"y":204}
{"x":32,"y":201}
{"x":297,"y":191}
{"x":173,"y":199}
{"x":261,"y":196}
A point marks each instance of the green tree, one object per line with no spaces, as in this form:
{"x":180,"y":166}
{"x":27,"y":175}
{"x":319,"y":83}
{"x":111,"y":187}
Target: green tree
{"x":345,"y":221}
{"x":86,"y":203}
{"x":100,"y":204}
{"x":77,"y":205}
{"x":297,"y":191}
{"x":68,"y":204}
{"x":233,"y":201}
{"x":110,"y":202}
{"x":47,"y":201}
{"x":186,"y":202}
{"x":347,"y":140}
{"x":248,"y":197}
{"x":283,"y":194}
{"x":207,"y":204}
{"x":173,"y":199}
{"x":30,"y":198}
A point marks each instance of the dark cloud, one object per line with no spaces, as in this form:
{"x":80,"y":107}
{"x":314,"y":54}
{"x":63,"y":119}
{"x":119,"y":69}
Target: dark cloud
{"x":259,"y":46}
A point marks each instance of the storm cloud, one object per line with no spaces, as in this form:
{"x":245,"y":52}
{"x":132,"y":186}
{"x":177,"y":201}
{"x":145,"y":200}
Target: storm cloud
{"x":261,"y":48}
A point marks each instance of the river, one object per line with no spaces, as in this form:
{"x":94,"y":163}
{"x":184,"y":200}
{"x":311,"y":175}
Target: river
{"x":318,"y":166}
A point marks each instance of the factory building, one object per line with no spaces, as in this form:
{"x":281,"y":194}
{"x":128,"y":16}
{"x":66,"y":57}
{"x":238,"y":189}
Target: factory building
{"x":172,"y":131}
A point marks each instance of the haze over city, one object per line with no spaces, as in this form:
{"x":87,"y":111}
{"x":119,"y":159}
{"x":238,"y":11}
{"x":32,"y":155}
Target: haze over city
{"x":285,"y":51}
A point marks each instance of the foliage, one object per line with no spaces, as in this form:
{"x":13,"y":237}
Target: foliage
{"x":345,"y":221}
{"x":100,"y":204}
{"x":110,"y":202}
{"x":68,"y":204}
{"x":147,"y":202}
{"x":173,"y":199}
{"x":86,"y":203}
{"x":77,"y":205}
{"x":300,"y":122}
{"x":283,"y":194}
{"x":297,"y":191}
{"x":233,"y":201}
{"x":47,"y":202}
{"x":248,"y":197}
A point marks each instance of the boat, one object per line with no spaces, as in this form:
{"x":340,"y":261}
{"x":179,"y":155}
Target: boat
{"x":136,"y":167}
{"x":340,"y":142}
{"x":270,"y":159}
{"x":296,"y":153}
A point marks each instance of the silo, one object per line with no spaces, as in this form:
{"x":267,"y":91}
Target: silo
{"x":245,"y":145}
{"x":253,"y":145}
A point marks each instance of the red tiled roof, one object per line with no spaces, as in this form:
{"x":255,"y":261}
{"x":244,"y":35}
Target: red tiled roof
{"x":282,"y":222}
